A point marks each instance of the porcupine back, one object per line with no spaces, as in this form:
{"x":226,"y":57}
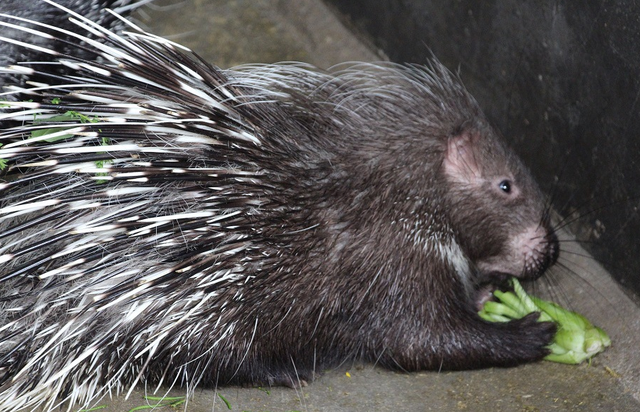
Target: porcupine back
{"x":43,"y":12}
{"x":166,"y":221}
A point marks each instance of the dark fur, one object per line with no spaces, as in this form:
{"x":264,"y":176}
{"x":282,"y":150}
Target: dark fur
{"x":368,"y":214}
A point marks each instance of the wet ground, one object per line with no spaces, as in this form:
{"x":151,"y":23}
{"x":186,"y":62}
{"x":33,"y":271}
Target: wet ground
{"x":234,"y":32}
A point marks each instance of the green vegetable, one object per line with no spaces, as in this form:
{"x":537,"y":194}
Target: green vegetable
{"x":3,"y":162}
{"x":576,"y":340}
{"x":226,"y":402}
{"x":161,"y":402}
{"x":69,"y":116}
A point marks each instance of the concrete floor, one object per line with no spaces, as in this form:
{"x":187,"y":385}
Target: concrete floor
{"x":240,"y":31}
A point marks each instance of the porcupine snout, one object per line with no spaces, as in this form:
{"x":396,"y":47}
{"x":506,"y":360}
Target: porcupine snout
{"x":539,"y":249}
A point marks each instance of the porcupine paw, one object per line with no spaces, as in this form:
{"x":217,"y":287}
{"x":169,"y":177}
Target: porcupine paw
{"x":527,"y":339}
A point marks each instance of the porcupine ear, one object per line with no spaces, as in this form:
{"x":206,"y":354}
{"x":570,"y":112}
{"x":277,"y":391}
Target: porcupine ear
{"x":461,"y":157}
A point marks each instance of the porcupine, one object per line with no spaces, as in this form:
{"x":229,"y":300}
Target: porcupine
{"x":166,"y":221}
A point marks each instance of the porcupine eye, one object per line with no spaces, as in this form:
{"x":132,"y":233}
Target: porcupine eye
{"x":505,"y":186}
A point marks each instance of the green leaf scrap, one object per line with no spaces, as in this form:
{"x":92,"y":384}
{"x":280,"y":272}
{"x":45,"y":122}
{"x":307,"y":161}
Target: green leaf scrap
{"x":576,"y":340}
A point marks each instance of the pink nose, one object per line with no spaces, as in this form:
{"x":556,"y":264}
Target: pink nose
{"x":541,"y":248}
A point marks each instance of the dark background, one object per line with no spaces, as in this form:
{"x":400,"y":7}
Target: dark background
{"x":560,"y":80}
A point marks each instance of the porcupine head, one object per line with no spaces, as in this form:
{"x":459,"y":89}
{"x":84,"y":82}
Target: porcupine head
{"x":442,"y":213}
